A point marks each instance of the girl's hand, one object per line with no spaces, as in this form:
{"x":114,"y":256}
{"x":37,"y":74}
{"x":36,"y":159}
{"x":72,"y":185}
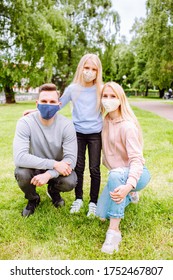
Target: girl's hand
{"x":26,"y":112}
{"x":120,"y":193}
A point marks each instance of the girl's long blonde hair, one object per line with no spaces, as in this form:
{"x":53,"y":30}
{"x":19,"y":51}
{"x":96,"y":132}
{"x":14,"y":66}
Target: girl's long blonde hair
{"x":78,"y":77}
{"x":125,"y":110}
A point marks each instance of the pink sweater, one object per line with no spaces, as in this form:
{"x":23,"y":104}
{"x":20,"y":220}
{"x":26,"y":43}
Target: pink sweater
{"x":121,"y":147}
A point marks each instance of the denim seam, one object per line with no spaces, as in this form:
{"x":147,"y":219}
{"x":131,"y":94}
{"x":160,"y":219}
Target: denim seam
{"x":110,"y":215}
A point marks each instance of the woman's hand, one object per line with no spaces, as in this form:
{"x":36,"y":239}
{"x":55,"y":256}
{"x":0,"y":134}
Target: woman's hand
{"x":120,"y":193}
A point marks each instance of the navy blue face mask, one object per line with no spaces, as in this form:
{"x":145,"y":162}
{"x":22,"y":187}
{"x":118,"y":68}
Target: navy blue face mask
{"x":47,"y":111}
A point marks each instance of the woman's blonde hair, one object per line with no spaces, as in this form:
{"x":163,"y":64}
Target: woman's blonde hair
{"x":125,"y":110}
{"x":78,"y":78}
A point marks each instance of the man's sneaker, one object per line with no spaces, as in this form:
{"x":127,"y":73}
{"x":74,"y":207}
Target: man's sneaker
{"x":30,"y":207}
{"x":113,"y":238}
{"x":57,"y":200}
{"x":76,"y":206}
{"x":92,"y":209}
{"x":134,"y":197}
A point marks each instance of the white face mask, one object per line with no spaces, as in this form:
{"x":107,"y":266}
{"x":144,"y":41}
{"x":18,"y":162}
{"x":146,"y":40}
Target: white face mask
{"x":110,"y":105}
{"x":89,"y":75}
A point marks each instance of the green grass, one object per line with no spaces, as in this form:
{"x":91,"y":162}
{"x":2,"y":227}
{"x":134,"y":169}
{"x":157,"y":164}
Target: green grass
{"x":55,"y":234}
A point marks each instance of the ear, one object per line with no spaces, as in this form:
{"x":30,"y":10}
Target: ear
{"x":59,"y":103}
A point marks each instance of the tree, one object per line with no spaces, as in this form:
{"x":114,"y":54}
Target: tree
{"x":141,"y":79}
{"x":92,"y":26}
{"x":109,"y":62}
{"x":30,"y":34}
{"x":125,"y":57}
{"x":157,"y":40}
{"x":118,"y":63}
{"x":49,"y":37}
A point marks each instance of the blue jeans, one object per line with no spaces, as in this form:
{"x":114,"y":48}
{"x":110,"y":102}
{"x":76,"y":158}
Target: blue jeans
{"x":106,"y":207}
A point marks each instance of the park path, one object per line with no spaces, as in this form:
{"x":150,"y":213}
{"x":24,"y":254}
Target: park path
{"x":162,"y":109}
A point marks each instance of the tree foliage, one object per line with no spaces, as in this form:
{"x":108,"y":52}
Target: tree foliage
{"x":31,"y":34}
{"x":92,"y":26}
{"x":141,"y":80}
{"x":157,"y":40}
{"x":43,"y":40}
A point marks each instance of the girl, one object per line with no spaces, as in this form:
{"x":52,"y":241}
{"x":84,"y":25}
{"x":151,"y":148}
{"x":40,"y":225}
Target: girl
{"x":122,"y":154}
{"x":84,"y":92}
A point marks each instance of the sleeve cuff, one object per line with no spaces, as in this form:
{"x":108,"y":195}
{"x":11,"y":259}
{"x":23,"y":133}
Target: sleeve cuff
{"x":50,"y":164}
{"x":132,"y":181}
{"x":53,"y":173}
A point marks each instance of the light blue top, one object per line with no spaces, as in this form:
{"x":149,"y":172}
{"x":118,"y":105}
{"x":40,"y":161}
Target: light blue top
{"x":86,"y":118}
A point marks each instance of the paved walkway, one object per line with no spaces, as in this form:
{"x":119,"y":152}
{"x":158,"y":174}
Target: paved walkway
{"x":162,"y":109}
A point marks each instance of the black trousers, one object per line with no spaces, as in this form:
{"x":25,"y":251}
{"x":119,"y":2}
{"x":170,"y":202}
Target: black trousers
{"x":60,"y":184}
{"x":93,"y":142}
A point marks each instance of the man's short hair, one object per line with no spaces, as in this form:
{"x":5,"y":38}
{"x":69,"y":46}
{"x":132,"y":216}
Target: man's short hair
{"x":49,"y":87}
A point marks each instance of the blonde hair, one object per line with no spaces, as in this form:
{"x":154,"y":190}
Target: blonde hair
{"x":125,"y":110}
{"x":78,"y":78}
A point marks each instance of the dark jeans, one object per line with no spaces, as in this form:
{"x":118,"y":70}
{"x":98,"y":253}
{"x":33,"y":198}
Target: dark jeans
{"x":93,"y":141}
{"x":60,"y":184}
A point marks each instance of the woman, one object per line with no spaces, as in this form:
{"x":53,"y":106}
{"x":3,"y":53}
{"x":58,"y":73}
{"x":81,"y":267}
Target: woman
{"x":122,"y":146}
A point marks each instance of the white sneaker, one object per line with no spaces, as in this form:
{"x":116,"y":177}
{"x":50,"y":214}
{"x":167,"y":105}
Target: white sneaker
{"x":92,"y":209}
{"x":134,"y":197}
{"x":113,"y":238}
{"x":76,"y":206}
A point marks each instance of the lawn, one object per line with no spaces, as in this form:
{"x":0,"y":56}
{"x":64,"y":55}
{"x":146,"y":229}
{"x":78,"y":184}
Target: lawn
{"x":58,"y":235}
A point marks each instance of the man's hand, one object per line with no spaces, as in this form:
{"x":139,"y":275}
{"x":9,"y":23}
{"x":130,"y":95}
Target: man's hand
{"x":41,"y":179}
{"x":63,"y":168}
{"x":120,"y":193}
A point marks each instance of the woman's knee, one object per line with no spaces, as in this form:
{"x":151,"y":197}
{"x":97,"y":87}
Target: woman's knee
{"x":114,"y":180}
{"x":144,"y":179}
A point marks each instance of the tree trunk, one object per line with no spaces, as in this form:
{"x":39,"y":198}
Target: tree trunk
{"x":9,"y":94}
{"x":161,"y":92}
{"x":146,"y":90}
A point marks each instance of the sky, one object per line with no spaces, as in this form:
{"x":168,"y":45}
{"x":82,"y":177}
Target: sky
{"x":128,"y":10}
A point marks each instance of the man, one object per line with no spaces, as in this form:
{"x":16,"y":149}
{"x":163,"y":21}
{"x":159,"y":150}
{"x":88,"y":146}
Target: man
{"x":45,"y":151}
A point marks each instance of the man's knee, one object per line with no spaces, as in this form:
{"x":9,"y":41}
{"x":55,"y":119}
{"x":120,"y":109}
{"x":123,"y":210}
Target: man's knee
{"x":67,"y":183}
{"x":23,"y":176}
